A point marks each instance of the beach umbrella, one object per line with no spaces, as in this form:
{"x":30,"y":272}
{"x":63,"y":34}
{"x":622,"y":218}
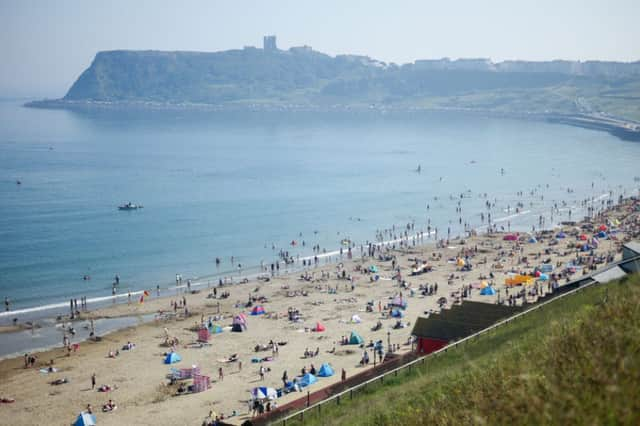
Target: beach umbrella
{"x":356,"y":319}
{"x":483,"y":284}
{"x":264,"y":393}
{"x":85,"y":419}
{"x":373,"y":269}
{"x":319,"y":327}
{"x":538,"y":273}
{"x":460,"y":261}
{"x":510,"y":237}
{"x":602,"y":227}
{"x":172,"y":358}
{"x":602,"y":234}
{"x":258,"y":310}
{"x":583,"y":237}
{"x":561,"y":235}
{"x":487,"y":291}
{"x":543,"y":277}
{"x":533,"y":240}
{"x":325,"y":370}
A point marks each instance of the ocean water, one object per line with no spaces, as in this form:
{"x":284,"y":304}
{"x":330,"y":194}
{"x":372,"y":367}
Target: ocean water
{"x":238,"y":184}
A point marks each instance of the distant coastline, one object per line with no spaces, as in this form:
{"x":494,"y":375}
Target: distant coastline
{"x":619,"y":127}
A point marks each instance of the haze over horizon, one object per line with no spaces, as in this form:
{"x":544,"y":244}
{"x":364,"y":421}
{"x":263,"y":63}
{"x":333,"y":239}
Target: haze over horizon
{"x":47,"y":45}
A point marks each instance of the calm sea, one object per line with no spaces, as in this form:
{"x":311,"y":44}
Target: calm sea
{"x":238,"y":184}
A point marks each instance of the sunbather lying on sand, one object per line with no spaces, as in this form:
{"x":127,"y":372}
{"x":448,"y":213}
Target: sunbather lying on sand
{"x":107,"y":388}
{"x":109,"y":406}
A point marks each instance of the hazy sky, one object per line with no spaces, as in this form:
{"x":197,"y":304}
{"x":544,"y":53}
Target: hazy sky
{"x":45,"y":45}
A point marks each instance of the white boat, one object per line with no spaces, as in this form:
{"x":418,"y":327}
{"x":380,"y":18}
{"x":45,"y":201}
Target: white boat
{"x":130,"y":206}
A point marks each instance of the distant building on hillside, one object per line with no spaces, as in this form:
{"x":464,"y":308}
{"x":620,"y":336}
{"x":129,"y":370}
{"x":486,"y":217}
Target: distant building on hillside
{"x":269,"y":43}
{"x":301,"y":49}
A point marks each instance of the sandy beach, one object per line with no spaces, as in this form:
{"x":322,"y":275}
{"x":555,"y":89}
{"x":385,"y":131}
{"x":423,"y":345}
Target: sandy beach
{"x":138,"y":376}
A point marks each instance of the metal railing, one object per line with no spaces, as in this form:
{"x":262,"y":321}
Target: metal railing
{"x":380,"y":378}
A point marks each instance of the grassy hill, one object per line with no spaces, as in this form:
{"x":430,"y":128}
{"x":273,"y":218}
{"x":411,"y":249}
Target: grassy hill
{"x":575,"y":361}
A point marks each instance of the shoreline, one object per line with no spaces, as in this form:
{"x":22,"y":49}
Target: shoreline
{"x":59,"y":311}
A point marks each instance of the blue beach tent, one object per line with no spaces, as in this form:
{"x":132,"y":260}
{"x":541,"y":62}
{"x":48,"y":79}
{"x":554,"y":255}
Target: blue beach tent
{"x":215,"y":329}
{"x":487,"y":291}
{"x":325,"y":370}
{"x":172,"y":358}
{"x":397,"y":313}
{"x":307,"y":379}
{"x":355,"y":339}
{"x":85,"y":419}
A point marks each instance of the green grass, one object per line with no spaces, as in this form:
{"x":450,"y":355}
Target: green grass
{"x":575,"y":361}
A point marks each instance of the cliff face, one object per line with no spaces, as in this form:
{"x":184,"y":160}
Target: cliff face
{"x":304,"y":75}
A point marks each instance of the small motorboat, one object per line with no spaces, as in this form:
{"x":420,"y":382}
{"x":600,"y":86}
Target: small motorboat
{"x":130,"y":206}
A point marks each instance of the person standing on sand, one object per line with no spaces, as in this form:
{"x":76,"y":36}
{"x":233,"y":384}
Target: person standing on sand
{"x":6,"y":303}
{"x":220,"y":374}
{"x":261,"y":372}
{"x":344,"y":375}
{"x":93,"y":381}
